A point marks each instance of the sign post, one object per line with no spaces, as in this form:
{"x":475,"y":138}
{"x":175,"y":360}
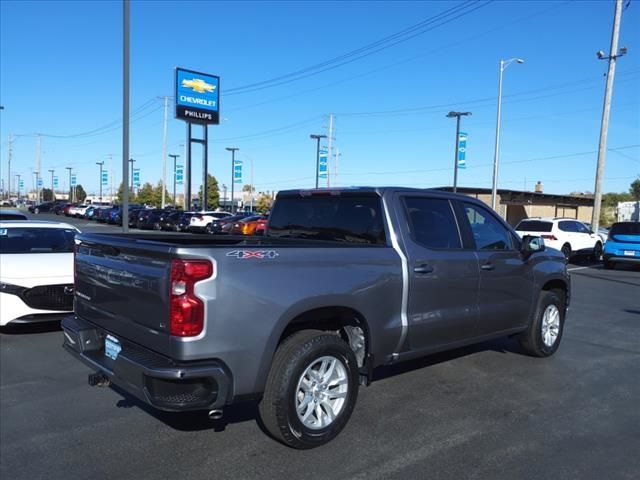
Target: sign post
{"x":197,"y":100}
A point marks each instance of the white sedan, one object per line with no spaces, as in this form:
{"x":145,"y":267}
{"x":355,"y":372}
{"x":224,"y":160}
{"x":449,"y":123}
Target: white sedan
{"x":36,"y":271}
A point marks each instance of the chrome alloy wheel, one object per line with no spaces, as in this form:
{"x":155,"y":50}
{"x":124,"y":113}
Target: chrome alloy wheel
{"x":322,"y":392}
{"x":550,"y":325}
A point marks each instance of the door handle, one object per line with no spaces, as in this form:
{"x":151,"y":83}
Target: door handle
{"x":487,"y":266}
{"x":424,"y":268}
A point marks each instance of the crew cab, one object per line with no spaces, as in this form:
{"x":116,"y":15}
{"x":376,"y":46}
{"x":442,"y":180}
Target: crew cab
{"x":343,"y":281}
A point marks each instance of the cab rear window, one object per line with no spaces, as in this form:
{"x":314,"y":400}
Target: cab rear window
{"x":345,"y":219}
{"x":534,"y":226}
{"x":36,"y":240}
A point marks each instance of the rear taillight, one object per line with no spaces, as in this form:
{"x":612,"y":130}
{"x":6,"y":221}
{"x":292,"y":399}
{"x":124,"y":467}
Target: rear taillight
{"x":549,"y":237}
{"x":186,"y":315}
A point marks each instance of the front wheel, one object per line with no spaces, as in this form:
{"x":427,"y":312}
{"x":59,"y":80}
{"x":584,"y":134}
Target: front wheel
{"x":566,"y":251}
{"x":311,"y":389}
{"x":543,"y":336}
{"x":36,"y":210}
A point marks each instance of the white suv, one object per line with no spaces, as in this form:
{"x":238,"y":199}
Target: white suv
{"x":203,"y":221}
{"x":568,"y":235}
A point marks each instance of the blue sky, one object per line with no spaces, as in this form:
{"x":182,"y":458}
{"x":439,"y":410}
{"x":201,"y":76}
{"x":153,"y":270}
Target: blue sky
{"x":60,"y":75}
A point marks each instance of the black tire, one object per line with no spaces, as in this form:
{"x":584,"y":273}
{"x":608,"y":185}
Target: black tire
{"x":531,"y":340}
{"x":209,"y":229}
{"x":597,"y":251}
{"x":278,"y":405}
{"x":36,"y":210}
{"x":566,"y":251}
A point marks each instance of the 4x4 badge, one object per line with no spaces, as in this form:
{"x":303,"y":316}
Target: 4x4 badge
{"x":246,"y":254}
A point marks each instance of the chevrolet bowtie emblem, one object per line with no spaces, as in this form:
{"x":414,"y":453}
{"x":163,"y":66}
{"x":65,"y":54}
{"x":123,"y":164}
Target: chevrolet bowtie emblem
{"x":198,"y":85}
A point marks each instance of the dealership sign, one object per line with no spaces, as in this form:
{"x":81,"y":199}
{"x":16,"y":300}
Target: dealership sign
{"x":197,"y":97}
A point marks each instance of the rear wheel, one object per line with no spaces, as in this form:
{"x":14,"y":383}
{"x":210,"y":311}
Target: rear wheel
{"x":36,"y":210}
{"x":311,"y":389}
{"x":209,"y":229}
{"x":566,"y":251}
{"x":543,"y":336}
{"x":597,"y":251}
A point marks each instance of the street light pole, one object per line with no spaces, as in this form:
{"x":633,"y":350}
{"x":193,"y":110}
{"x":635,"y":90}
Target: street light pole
{"x":70,"y":187}
{"x":233,"y":151}
{"x":457,"y":116}
{"x":100,"y":164}
{"x":131,"y":160}
{"x":18,"y":186}
{"x":496,"y":156}
{"x":53,"y":194}
{"x":317,"y":138}
{"x":174,"y":178}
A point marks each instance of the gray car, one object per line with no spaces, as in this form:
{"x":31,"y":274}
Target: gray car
{"x":343,"y":281}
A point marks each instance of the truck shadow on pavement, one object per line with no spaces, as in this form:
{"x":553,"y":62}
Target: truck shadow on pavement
{"x":248,"y":410}
{"x":31,"y":328}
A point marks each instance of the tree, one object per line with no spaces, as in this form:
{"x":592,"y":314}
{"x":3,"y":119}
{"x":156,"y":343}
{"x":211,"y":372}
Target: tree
{"x":47,"y":195}
{"x":157,"y":192}
{"x":80,"y":193}
{"x":132,"y":194}
{"x":213,"y":194}
{"x":146,"y":195}
{"x":263,"y":203}
{"x":248,"y":188}
{"x":634,"y":189}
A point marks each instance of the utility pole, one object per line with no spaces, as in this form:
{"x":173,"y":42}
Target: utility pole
{"x":37,"y":174}
{"x":457,"y":116}
{"x":317,"y":138}
{"x":335,"y":167}
{"x":100,"y":164}
{"x":329,"y":148}
{"x":125,"y":115}
{"x":164,"y":150}
{"x":606,"y":110}
{"x":9,"y":154}
{"x":70,"y":187}
{"x":233,"y":151}
{"x":174,"y":179}
{"x":38,"y":159}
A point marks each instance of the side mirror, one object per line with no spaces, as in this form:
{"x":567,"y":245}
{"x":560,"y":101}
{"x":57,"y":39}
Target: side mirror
{"x":531,"y":245}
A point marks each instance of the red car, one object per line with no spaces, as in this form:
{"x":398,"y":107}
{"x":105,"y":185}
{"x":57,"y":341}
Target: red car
{"x":246,"y":226}
{"x":261,"y":226}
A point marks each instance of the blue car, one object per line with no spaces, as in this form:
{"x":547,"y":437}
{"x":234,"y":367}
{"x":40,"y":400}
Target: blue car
{"x":623,"y":244}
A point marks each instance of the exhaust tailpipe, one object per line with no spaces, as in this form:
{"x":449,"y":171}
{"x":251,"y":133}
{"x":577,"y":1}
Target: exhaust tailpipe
{"x":215,"y":414}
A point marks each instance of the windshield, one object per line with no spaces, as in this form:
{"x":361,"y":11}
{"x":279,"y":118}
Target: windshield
{"x":36,"y":240}
{"x":534,"y":226}
{"x":350,"y":219}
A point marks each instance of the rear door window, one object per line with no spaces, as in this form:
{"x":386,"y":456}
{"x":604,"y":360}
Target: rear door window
{"x":567,"y":226}
{"x":432,"y":222}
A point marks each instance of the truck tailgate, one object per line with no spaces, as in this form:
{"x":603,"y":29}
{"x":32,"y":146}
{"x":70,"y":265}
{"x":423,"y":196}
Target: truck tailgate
{"x":123,"y":286}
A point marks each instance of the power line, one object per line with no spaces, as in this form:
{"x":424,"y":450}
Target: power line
{"x":404,"y":35}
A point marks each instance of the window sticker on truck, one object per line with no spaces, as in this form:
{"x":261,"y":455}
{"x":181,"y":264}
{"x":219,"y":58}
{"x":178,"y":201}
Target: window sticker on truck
{"x":246,"y":254}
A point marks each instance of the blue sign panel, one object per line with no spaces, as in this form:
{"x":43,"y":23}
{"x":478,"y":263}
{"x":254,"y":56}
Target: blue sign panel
{"x":74,"y":180}
{"x":237,"y":171}
{"x":323,"y":167}
{"x":179,"y":174}
{"x":55,"y":182}
{"x":21,"y":185}
{"x":136,"y":177}
{"x":197,"y":97}
{"x":40,"y":183}
{"x":462,"y":150}
{"x":105,"y":178}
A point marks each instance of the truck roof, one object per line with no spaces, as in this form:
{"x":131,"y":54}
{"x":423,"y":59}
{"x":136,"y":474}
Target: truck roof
{"x":366,"y":189}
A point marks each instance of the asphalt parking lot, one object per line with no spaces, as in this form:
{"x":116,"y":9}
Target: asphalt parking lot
{"x":485,"y":411}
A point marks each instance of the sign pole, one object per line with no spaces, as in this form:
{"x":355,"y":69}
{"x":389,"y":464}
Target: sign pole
{"x":455,"y":159}
{"x":205,"y":168}
{"x":187,"y":187}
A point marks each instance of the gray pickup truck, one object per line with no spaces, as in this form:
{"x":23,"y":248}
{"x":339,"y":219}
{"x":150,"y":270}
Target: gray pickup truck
{"x":343,"y":281}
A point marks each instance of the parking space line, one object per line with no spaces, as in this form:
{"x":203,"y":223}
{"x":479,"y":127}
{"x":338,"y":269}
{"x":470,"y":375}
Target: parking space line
{"x":597,"y":267}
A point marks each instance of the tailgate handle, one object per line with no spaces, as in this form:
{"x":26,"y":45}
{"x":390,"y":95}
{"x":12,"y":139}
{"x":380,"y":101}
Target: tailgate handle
{"x":488,"y":266}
